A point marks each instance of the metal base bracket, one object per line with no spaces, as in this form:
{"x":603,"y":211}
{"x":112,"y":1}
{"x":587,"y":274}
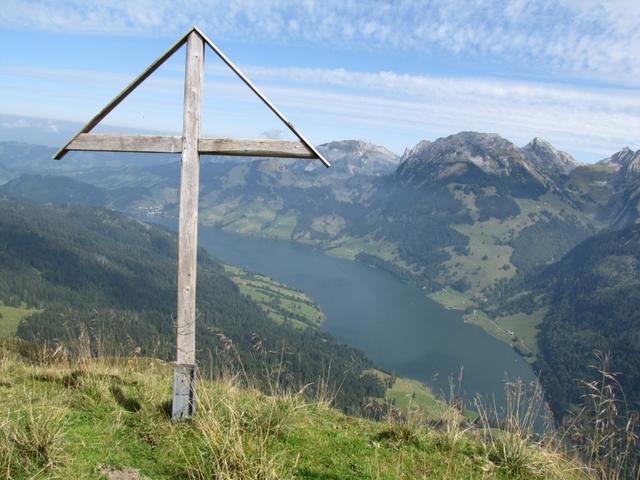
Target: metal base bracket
{"x":184,"y":388}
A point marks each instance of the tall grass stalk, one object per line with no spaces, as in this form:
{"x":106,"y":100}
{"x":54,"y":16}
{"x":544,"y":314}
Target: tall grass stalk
{"x":604,"y":431}
{"x":519,"y":438}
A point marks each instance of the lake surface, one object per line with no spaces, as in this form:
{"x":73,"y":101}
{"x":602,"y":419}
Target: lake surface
{"x":395,"y":324}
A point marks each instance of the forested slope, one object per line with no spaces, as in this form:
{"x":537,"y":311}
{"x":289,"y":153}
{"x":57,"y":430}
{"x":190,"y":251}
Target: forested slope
{"x":95,"y":269}
{"x":592,"y":300}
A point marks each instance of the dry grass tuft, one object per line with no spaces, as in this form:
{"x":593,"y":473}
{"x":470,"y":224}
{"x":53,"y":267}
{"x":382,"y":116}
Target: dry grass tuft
{"x":232,"y":434}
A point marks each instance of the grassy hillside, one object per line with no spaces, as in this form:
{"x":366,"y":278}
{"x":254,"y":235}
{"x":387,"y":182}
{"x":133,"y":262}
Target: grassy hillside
{"x":281,"y":303}
{"x":93,"y":418}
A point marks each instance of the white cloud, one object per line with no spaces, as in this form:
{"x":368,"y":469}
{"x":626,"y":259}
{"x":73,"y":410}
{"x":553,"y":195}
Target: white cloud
{"x":590,"y":38}
{"x":274,"y":133}
{"x":597,"y":120}
{"x":342,"y":103}
{"x":17,"y":123}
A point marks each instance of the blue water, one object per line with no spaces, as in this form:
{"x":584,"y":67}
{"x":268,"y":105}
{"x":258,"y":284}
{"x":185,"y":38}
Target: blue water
{"x":395,"y":324}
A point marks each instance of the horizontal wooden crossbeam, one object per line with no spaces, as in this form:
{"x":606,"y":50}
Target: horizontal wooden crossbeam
{"x":98,"y":142}
{"x":254,"y":148}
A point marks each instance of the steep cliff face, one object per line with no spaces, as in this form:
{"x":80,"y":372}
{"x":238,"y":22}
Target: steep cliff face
{"x":548,"y":160}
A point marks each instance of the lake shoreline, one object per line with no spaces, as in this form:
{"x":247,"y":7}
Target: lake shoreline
{"x":397,"y":326}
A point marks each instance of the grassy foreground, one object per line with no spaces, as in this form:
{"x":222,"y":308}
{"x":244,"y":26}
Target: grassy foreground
{"x":102,"y":418}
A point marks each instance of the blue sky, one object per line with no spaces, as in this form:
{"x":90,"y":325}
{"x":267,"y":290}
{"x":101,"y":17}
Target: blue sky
{"x":391,"y":73}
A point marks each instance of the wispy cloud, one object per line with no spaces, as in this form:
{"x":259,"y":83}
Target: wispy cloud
{"x":577,"y":118}
{"x":587,"y":38}
{"x":596,"y":121}
{"x":16,"y":123}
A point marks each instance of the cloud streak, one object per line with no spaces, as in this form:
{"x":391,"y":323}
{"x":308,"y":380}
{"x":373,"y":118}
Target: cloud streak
{"x":587,"y":38}
{"x":596,"y":121}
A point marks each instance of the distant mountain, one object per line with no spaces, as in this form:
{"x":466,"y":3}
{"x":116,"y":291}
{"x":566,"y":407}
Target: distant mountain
{"x":37,"y":159}
{"x":348,"y":158}
{"x":549,"y":161}
{"x":592,"y":302}
{"x":55,"y":190}
{"x":18,"y":155}
{"x":626,"y":162}
{"x":483,"y":159}
{"x":115,"y":276}
{"x":355,"y":157}
{"x":470,"y":210}
{"x":609,"y":189}
{"x":624,"y":206}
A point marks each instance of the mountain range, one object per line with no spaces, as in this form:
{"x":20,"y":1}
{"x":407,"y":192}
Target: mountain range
{"x":470,"y":218}
{"x":469,"y":211}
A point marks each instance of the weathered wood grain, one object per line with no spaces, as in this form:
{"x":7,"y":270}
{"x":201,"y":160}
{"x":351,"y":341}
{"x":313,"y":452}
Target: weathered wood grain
{"x":254,"y":148}
{"x":98,"y":142}
{"x":188,"y":222}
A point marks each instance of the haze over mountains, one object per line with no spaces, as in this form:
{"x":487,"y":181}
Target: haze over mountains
{"x":463,"y":198}
{"x":475,"y":179}
{"x":469,"y":215}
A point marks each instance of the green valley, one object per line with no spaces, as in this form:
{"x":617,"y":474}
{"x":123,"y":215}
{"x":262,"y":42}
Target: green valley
{"x":281,"y":303}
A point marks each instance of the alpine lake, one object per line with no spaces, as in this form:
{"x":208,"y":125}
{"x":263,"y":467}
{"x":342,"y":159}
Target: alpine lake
{"x":394,"y":323}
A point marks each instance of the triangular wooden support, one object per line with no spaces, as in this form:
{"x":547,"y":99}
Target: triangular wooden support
{"x":83,"y":140}
{"x":190,"y":145}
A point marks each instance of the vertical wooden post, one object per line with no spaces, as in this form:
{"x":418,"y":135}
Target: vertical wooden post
{"x":184,"y":376}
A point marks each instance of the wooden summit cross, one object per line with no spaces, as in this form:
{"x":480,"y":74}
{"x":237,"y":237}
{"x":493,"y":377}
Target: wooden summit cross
{"x":190,"y":145}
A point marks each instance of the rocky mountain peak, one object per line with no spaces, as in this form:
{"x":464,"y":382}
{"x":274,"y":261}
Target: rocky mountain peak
{"x":626,"y":164}
{"x":487,"y":151}
{"x":547,"y":159}
{"x":357,"y":148}
{"x":357,"y":157}
{"x":415,"y":150}
{"x":621,"y":159}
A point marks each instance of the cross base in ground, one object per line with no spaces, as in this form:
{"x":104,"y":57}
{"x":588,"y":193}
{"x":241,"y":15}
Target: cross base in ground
{"x":184,"y":388}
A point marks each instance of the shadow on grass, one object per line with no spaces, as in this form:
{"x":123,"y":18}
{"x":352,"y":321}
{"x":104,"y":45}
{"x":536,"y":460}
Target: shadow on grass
{"x":128,"y":403}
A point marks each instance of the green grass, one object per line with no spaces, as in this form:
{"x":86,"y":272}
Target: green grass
{"x":348,"y":247}
{"x":518,"y":330}
{"x":279,"y":302}
{"x":75,"y":418}
{"x":332,"y":225}
{"x":10,"y":318}
{"x":281,"y":228}
{"x":415,"y":400}
{"x":486,"y":263}
{"x":489,"y":258}
{"x":244,"y":218}
{"x":410,"y":394}
{"x":481,"y":319}
{"x":452,"y":299}
{"x":525,"y":326}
